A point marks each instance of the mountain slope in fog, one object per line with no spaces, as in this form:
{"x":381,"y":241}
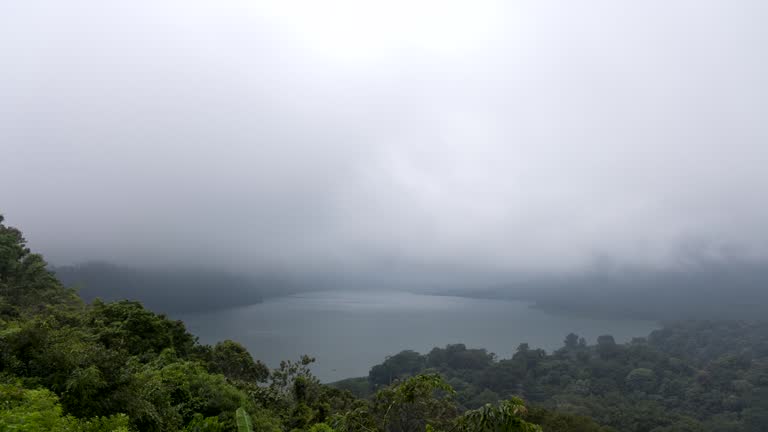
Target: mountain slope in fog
{"x":711,"y":290}
{"x":170,"y":290}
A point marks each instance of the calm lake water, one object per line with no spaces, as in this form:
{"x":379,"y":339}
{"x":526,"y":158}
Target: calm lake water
{"x":348,"y":332}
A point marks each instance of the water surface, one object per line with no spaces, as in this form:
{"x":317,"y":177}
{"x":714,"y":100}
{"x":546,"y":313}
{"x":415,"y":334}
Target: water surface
{"x":348,"y":332}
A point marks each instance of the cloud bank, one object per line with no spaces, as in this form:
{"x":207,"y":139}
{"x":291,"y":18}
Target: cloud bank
{"x":343,"y":137}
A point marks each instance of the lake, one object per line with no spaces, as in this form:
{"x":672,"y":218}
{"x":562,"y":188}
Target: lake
{"x":348,"y":332}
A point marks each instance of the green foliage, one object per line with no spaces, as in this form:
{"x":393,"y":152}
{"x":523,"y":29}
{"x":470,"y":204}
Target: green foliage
{"x":178,"y":390}
{"x":114,"y":423}
{"x":321,"y":427}
{"x":235,"y":362}
{"x":264,"y":420}
{"x":359,"y":387}
{"x":30,"y":410}
{"x":554,"y":421}
{"x":26,"y":284}
{"x":282,"y":378}
{"x":457,"y":356}
{"x":39,"y":411}
{"x":127,"y":326}
{"x":204,"y":424}
{"x":691,"y":375}
{"x":413,"y":404}
{"x":243,"y":421}
{"x":507,"y":416}
{"x":641,"y":379}
{"x":405,"y":363}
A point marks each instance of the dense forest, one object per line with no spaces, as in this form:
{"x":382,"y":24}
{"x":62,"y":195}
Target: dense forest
{"x":69,"y":365}
{"x":687,"y":376}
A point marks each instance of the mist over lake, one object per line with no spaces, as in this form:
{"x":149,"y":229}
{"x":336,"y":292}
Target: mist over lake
{"x":348,"y":332}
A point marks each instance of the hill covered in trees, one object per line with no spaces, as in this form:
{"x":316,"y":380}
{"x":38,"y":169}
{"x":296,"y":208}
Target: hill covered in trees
{"x":687,"y":376}
{"x":68,"y":365}
{"x":170,"y":290}
{"x":699,"y":289}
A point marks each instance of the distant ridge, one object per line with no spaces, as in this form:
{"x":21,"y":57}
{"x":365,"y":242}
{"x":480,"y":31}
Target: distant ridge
{"x":170,"y":290}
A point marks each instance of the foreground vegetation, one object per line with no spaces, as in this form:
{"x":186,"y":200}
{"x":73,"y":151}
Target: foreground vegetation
{"x":70,"y":366}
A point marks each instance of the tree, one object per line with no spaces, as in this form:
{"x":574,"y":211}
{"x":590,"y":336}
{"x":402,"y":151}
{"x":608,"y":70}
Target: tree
{"x":25,"y":281}
{"x":411,"y":405}
{"x":127,"y":326}
{"x":606,"y":346}
{"x":457,"y":356}
{"x":571,"y":341}
{"x":235,"y":362}
{"x":507,"y":416}
{"x":169,"y":392}
{"x":402,"y":364}
{"x":605,"y":340}
{"x":641,"y":379}
{"x":26,"y":410}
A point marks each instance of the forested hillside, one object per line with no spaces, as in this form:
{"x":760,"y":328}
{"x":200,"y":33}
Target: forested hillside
{"x":688,"y":376}
{"x":70,"y":366}
{"x":169,"y":290}
{"x":701,"y":289}
{"x":66,"y":365}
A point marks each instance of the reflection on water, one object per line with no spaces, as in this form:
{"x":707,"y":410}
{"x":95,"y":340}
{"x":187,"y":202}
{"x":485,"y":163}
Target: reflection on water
{"x":348,"y":332}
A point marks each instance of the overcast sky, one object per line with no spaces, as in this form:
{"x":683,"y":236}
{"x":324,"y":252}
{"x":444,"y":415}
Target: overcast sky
{"x":347,"y":136}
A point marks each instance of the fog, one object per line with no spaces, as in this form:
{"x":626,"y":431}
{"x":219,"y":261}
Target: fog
{"x":387,"y":142}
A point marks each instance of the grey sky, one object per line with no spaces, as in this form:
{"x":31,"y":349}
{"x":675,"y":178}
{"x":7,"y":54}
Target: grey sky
{"x":537,"y":135}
